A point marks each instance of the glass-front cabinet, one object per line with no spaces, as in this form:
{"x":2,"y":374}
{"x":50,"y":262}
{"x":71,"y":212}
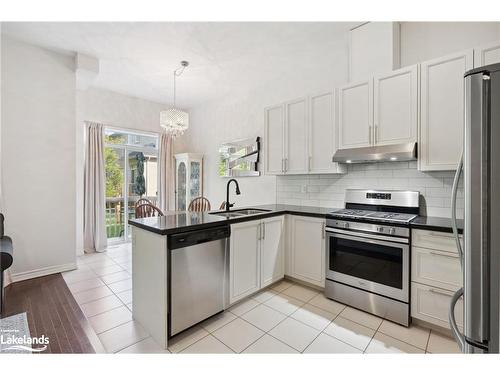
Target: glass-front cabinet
{"x":188,"y":179}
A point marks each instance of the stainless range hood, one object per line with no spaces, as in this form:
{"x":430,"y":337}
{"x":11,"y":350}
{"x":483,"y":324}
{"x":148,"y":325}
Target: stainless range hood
{"x":373,"y":154}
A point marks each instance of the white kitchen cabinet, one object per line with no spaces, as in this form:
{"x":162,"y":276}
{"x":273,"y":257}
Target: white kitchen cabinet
{"x":301,"y":136}
{"x":380,"y":111}
{"x":272,"y":250}
{"x":396,"y":107}
{"x":355,"y":114}
{"x":429,"y":239}
{"x":431,"y":305}
{"x":487,"y":54}
{"x":286,"y":129}
{"x":307,"y":249}
{"x":436,"y":268}
{"x":442,"y":111}
{"x":296,"y":128}
{"x":322,"y":134}
{"x":244,"y":260}
{"x":374,"y":47}
{"x":256,"y":256}
{"x":435,"y":275}
{"x":274,"y":139}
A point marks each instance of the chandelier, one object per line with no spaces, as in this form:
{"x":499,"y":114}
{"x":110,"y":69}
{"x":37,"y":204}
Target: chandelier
{"x":173,"y":120}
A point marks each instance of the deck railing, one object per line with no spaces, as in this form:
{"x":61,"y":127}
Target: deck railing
{"x":115,"y":214}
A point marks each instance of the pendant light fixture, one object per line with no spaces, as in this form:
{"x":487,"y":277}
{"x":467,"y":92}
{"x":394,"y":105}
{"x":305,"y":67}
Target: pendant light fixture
{"x":173,"y":120}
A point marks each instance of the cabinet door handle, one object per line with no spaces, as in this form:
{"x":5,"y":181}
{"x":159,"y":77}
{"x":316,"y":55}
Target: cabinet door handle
{"x":259,"y":231}
{"x":263,"y":230}
{"x":309,"y":163}
{"x":370,"y":134}
{"x":375,"y":134}
{"x":282,"y":165}
{"x":286,"y":165}
{"x":444,"y":255}
{"x":323,"y":230}
{"x":441,"y":292}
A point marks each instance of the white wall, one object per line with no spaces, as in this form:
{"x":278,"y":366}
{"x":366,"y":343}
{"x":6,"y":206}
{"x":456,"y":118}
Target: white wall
{"x":38,"y":157}
{"x":422,"y":41}
{"x":109,"y":108}
{"x":242,"y":116}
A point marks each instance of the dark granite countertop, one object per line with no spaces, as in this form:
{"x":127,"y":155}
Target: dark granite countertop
{"x":182,"y":221}
{"x":440,"y":224}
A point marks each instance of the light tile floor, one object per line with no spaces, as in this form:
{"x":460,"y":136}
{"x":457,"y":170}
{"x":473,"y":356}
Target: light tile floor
{"x":285,"y":318}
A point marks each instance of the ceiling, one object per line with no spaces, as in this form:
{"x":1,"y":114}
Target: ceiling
{"x":138,"y":59}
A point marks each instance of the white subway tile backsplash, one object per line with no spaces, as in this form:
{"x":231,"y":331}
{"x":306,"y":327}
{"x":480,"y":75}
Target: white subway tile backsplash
{"x":379,"y":173}
{"x":328,"y":190}
{"x":426,"y":182}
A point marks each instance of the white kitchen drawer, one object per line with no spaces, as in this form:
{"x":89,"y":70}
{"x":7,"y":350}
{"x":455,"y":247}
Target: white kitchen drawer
{"x":434,"y":240}
{"x":431,"y":304}
{"x":436,"y":268}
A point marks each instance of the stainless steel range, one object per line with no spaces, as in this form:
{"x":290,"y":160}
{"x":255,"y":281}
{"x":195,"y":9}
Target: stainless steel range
{"x":368,"y":252}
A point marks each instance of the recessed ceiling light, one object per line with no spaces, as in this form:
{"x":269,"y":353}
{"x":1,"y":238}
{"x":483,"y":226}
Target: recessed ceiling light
{"x":394,"y":158}
{"x":348,"y":161}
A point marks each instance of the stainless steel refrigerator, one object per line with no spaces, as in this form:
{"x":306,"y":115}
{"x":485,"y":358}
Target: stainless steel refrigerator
{"x":480,"y":255}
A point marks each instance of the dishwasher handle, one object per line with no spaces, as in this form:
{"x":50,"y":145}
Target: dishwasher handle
{"x":196,"y":237}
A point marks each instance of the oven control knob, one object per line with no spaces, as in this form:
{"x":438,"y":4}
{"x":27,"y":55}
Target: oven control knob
{"x":380,"y":229}
{"x":392,"y":231}
{"x":346,"y":225}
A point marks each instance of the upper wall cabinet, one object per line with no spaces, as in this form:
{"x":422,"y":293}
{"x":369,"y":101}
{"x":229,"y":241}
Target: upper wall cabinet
{"x":487,"y":54}
{"x":297,"y":119}
{"x":381,"y":111}
{"x":395,"y":107}
{"x":355,"y":114}
{"x":442,"y":111}
{"x":323,"y":134}
{"x":373,"y":49}
{"x":301,"y":136}
{"x":274,"y":138}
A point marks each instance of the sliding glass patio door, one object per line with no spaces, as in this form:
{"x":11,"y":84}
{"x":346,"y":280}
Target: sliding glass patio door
{"x":131,"y":174}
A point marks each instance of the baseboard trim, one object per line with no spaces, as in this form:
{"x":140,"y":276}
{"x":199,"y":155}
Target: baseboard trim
{"x":20,"y":276}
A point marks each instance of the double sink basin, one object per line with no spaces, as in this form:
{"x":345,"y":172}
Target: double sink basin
{"x":239,"y":213}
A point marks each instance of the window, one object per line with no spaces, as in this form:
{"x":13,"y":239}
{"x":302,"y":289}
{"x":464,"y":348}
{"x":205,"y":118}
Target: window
{"x":131,"y":160}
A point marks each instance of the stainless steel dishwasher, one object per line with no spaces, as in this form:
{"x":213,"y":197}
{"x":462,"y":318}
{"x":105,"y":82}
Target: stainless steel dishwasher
{"x":198,"y":276}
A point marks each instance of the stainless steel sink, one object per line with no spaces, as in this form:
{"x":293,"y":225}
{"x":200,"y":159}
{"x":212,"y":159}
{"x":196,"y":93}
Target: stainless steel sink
{"x":251,"y":211}
{"x":226,"y":214}
{"x":241,"y":212}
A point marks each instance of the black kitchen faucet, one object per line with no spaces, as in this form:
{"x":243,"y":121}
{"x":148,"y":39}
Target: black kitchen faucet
{"x":229,"y":205}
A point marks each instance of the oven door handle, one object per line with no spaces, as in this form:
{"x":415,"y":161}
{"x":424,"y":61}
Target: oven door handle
{"x":358,"y":235}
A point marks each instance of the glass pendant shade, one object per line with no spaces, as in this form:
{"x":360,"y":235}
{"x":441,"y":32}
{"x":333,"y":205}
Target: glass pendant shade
{"x":174,"y":121}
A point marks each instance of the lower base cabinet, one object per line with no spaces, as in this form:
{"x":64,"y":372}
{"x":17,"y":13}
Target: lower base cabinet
{"x":306,"y":249}
{"x":431,"y":304}
{"x":244,"y":260}
{"x":272,"y":251}
{"x":435,"y":276}
{"x":256,"y":256}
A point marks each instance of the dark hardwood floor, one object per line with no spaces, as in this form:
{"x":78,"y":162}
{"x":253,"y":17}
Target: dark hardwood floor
{"x":52,"y":311}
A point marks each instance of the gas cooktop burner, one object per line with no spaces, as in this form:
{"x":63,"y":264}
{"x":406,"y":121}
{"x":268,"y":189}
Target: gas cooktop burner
{"x":374,"y":215}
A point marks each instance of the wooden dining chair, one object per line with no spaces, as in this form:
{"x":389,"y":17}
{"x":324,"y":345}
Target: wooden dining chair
{"x":142,"y":201}
{"x":199,"y":204}
{"x":147,"y":210}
